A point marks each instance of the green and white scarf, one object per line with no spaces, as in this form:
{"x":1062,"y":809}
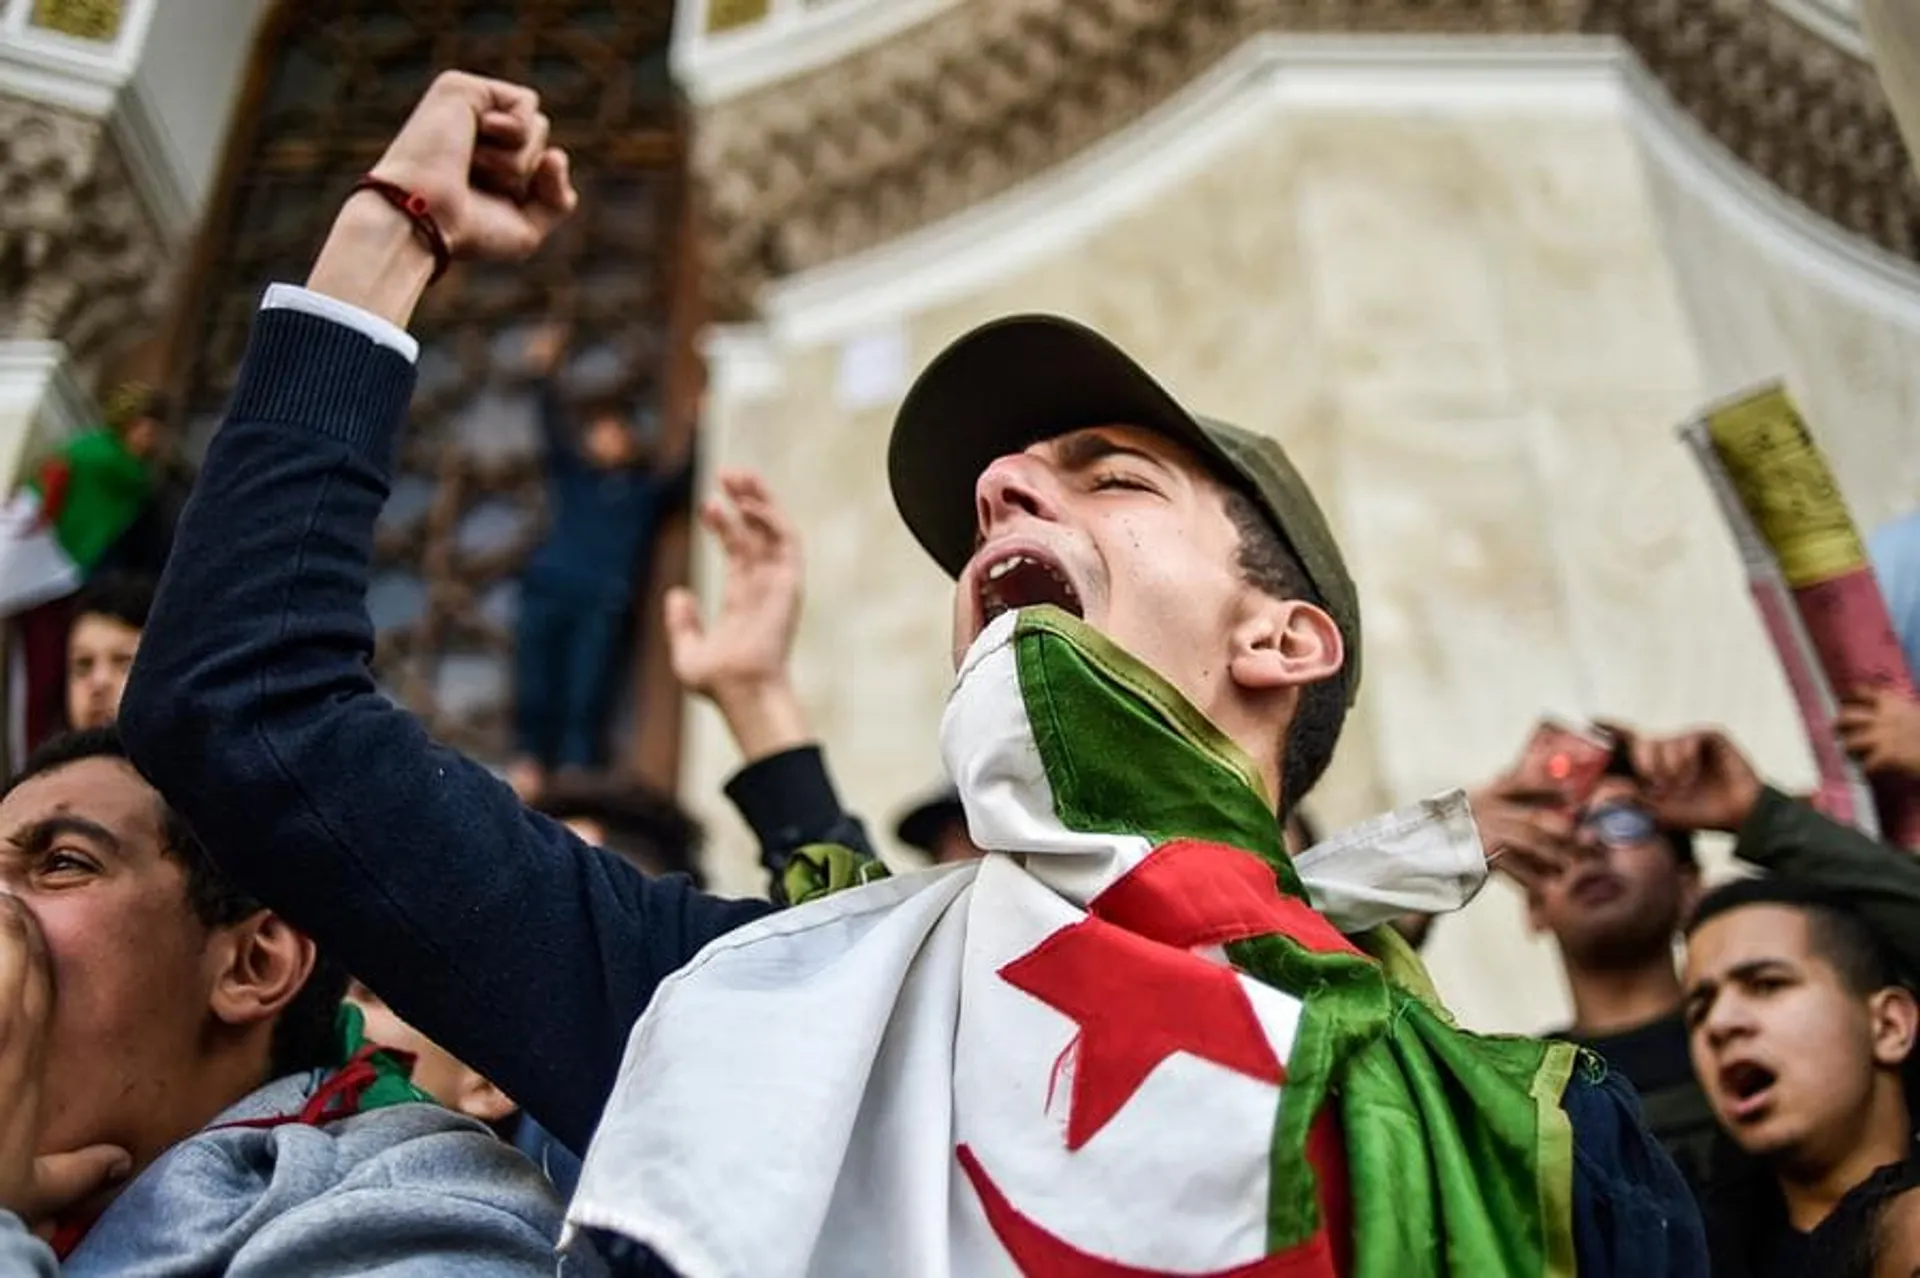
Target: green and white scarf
{"x":1099,"y":1050}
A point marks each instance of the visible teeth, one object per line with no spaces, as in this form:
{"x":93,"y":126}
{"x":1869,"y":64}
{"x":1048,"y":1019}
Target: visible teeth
{"x":1000,"y":592}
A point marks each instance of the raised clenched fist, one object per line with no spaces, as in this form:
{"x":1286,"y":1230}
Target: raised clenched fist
{"x":476,"y":151}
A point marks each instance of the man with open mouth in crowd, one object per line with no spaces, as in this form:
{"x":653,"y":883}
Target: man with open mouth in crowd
{"x":1799,"y":1015}
{"x":1800,"y":1031}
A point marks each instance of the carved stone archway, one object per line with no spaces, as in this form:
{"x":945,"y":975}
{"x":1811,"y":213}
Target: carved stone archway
{"x":82,"y":259}
{"x":988,"y":93}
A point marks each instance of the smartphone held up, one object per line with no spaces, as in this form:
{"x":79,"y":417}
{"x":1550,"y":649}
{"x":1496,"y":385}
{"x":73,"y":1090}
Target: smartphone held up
{"x":1566,"y":760}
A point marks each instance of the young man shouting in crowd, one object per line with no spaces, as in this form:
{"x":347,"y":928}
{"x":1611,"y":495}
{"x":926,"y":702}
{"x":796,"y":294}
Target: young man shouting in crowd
{"x":1120,"y":1042}
{"x":1801,"y":1032}
{"x":1800,"y":1020}
{"x":176,"y":1093}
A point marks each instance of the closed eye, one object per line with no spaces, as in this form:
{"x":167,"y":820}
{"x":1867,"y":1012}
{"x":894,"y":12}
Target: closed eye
{"x":1102,"y":482}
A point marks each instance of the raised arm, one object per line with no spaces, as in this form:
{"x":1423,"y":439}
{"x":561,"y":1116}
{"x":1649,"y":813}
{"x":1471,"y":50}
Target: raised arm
{"x":545,"y":350}
{"x":1786,"y":836}
{"x":741,"y":664}
{"x":1701,"y":780}
{"x":525,"y":952}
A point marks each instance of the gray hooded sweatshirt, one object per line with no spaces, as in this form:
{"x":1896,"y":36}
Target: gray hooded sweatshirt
{"x":399,"y":1191}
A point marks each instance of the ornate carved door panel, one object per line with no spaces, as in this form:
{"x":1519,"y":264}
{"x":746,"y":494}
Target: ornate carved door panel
{"x":332,"y":80}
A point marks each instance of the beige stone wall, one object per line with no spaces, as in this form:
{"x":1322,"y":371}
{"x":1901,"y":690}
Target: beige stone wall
{"x":1469,"y":333}
{"x":1847,"y":344}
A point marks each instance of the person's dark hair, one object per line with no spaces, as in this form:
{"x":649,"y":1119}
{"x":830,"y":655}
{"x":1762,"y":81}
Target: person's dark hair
{"x":1268,"y":564}
{"x":643,"y":825}
{"x":1864,"y":960}
{"x":305,"y":1036}
{"x":125,"y":597}
{"x":1304,"y":827}
{"x":614,"y":406}
{"x":134,"y":401}
{"x":605,"y":405}
{"x":1620,"y":764}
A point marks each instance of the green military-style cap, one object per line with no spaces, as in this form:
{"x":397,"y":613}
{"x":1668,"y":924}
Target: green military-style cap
{"x":1013,"y":382}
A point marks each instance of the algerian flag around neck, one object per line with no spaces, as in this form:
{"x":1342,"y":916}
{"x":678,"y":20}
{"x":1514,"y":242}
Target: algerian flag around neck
{"x":1116,"y":1045}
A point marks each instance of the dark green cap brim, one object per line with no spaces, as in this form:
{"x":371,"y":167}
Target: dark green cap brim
{"x":1011,"y":383}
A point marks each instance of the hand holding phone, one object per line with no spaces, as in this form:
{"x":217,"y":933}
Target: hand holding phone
{"x":1565,"y":760}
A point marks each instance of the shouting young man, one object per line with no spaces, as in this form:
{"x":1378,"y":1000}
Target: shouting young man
{"x":1801,"y":1032}
{"x":1121,"y":1042}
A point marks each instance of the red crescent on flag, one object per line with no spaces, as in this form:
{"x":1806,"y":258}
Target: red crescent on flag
{"x":1040,"y":1254}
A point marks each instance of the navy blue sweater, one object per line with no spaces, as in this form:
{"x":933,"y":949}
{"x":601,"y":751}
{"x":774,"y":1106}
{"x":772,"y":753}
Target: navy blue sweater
{"x":519,"y":948}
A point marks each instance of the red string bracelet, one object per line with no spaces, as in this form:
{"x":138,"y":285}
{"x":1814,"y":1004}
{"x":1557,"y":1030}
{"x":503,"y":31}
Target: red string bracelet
{"x":415,"y":207}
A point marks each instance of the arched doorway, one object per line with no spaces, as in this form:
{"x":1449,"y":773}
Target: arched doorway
{"x":331,"y":79}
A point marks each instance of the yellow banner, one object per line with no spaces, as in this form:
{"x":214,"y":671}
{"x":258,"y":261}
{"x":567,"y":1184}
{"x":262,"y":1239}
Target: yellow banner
{"x":1784,"y":483}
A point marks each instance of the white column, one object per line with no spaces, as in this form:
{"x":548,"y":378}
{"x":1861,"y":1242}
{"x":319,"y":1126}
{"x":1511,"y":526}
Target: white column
{"x":41,"y":405}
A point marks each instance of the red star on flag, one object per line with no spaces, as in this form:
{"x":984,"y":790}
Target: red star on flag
{"x":1189,"y":893}
{"x":1127,"y":976}
{"x":1138,"y":1002}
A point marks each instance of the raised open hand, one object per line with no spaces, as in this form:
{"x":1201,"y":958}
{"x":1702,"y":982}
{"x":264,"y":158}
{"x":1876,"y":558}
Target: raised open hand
{"x":738,"y":660}
{"x":750,"y":638}
{"x":1881,"y":729}
{"x":1694,"y":780}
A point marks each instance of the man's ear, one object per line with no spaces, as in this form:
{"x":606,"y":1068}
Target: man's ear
{"x":1284,"y":643}
{"x":1895,"y":1017}
{"x":261,"y":963}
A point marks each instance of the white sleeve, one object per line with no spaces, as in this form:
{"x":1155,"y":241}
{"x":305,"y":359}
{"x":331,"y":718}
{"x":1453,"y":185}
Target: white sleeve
{"x":1425,"y":858}
{"x":293,"y":298}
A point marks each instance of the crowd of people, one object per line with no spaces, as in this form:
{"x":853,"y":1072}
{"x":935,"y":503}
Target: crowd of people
{"x":288,"y":988}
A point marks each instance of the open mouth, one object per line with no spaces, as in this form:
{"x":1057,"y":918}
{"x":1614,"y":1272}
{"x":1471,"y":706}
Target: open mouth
{"x":1022,"y":579}
{"x":1747,"y":1085}
{"x":1599,"y":888}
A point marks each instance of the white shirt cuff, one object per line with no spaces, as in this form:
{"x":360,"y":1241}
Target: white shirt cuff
{"x":291,"y":297}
